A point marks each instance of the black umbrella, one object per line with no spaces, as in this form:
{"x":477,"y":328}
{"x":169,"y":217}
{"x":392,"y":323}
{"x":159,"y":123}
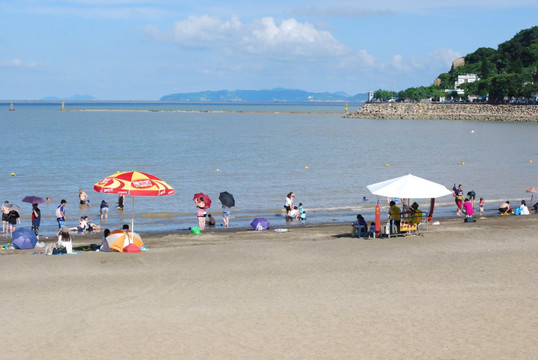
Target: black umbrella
{"x":227,"y":199}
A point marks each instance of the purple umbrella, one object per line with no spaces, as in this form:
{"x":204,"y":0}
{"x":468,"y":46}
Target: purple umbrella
{"x":260,"y":224}
{"x":33,"y":200}
{"x":24,"y":239}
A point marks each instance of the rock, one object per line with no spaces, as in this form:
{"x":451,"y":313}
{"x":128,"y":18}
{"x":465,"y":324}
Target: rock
{"x":443,"y":111}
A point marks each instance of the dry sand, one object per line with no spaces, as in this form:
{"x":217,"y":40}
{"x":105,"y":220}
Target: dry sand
{"x":461,"y":291}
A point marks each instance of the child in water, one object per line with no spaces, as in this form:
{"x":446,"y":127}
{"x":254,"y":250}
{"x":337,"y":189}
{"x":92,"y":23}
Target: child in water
{"x":302,"y":213}
{"x":481,"y":205}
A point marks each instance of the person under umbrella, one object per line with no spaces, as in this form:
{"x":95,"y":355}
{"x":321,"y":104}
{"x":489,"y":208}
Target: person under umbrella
{"x":36,"y":220}
{"x":227,"y":200}
{"x":200,"y":213}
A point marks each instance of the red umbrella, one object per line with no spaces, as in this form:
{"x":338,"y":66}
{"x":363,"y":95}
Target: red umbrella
{"x":198,"y":199}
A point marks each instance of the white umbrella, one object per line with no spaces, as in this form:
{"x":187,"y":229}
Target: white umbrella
{"x":409,"y":187}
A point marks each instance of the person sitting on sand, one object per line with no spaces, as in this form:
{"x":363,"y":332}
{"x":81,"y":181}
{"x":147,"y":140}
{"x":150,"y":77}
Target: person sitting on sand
{"x":210,"y":220}
{"x":359,"y":227}
{"x":104,"y":243}
{"x":64,"y":239}
{"x":524,"y":210}
{"x":505,"y":208}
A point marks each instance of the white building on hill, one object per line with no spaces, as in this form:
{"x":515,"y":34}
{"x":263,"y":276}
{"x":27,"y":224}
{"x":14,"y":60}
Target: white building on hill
{"x":463,"y":79}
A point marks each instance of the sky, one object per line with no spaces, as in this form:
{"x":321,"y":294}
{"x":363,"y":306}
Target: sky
{"x":143,"y":50}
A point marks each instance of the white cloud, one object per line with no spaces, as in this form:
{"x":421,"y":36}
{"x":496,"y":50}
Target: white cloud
{"x":398,"y":63}
{"x":286,"y":39}
{"x":359,"y":60}
{"x":16,"y":63}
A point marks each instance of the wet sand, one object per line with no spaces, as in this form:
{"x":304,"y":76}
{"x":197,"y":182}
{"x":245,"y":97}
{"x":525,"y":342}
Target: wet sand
{"x":461,"y":291}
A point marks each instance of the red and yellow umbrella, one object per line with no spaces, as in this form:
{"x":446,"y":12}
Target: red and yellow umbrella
{"x":134,"y":183}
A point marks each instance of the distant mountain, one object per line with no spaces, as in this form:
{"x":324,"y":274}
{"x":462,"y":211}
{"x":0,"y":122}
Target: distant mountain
{"x":70,"y":98}
{"x":278,"y":94}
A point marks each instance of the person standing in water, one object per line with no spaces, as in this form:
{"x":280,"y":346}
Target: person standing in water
{"x":83,"y":197}
{"x":289,"y":204}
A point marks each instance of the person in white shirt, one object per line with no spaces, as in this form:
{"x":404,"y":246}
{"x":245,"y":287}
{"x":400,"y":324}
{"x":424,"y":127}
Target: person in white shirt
{"x":524,"y":209}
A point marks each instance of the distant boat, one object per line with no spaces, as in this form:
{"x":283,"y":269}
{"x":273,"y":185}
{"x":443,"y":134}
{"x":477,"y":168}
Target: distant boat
{"x":11,"y":108}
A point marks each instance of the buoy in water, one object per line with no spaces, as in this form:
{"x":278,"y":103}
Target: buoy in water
{"x":462,"y":163}
{"x":306,"y":167}
{"x":12,"y":174}
{"x":218,"y":170}
{"x":387,"y":165}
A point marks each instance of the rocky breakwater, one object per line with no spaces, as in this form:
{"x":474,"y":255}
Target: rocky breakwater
{"x":440,"y":111}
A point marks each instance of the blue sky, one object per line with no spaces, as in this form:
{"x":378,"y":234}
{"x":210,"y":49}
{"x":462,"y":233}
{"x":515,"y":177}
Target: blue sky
{"x":142,"y":50}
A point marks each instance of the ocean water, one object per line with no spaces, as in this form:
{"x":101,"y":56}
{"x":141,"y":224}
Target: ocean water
{"x":258,"y":152}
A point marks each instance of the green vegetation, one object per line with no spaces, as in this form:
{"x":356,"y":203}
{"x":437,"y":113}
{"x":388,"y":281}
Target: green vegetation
{"x":509,"y":71}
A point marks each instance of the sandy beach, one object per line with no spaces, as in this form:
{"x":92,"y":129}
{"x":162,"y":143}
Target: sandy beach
{"x":461,"y":291}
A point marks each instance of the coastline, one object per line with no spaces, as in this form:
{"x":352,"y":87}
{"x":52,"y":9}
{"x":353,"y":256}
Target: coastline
{"x":452,"y":111}
{"x":206,"y":111}
{"x":463,"y":290}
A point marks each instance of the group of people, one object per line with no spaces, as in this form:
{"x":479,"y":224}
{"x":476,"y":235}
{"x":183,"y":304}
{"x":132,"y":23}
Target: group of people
{"x":506,"y":209}
{"x":293,"y":212}
{"x":10,"y":218}
{"x":410,"y":213}
{"x":466,"y":206}
{"x":65,"y":242}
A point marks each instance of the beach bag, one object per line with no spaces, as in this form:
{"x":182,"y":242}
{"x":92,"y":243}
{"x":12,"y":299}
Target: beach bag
{"x":59,"y":250}
{"x":518,"y":211}
{"x":58,"y":212}
{"x":195,"y":231}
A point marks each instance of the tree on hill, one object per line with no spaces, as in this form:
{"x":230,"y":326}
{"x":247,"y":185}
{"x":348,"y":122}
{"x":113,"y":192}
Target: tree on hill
{"x":509,"y":71}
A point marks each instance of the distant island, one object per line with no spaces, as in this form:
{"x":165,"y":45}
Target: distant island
{"x":271,"y":95}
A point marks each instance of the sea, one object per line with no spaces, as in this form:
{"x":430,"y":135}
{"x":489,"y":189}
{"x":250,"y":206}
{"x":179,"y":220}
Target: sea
{"x":259,"y":152}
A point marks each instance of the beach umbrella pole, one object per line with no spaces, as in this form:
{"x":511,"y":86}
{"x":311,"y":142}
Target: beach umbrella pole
{"x":132,"y":223}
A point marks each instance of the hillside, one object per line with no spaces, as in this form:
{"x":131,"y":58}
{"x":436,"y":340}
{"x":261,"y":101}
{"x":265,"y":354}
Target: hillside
{"x":279,"y":94}
{"x":509,"y":71}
